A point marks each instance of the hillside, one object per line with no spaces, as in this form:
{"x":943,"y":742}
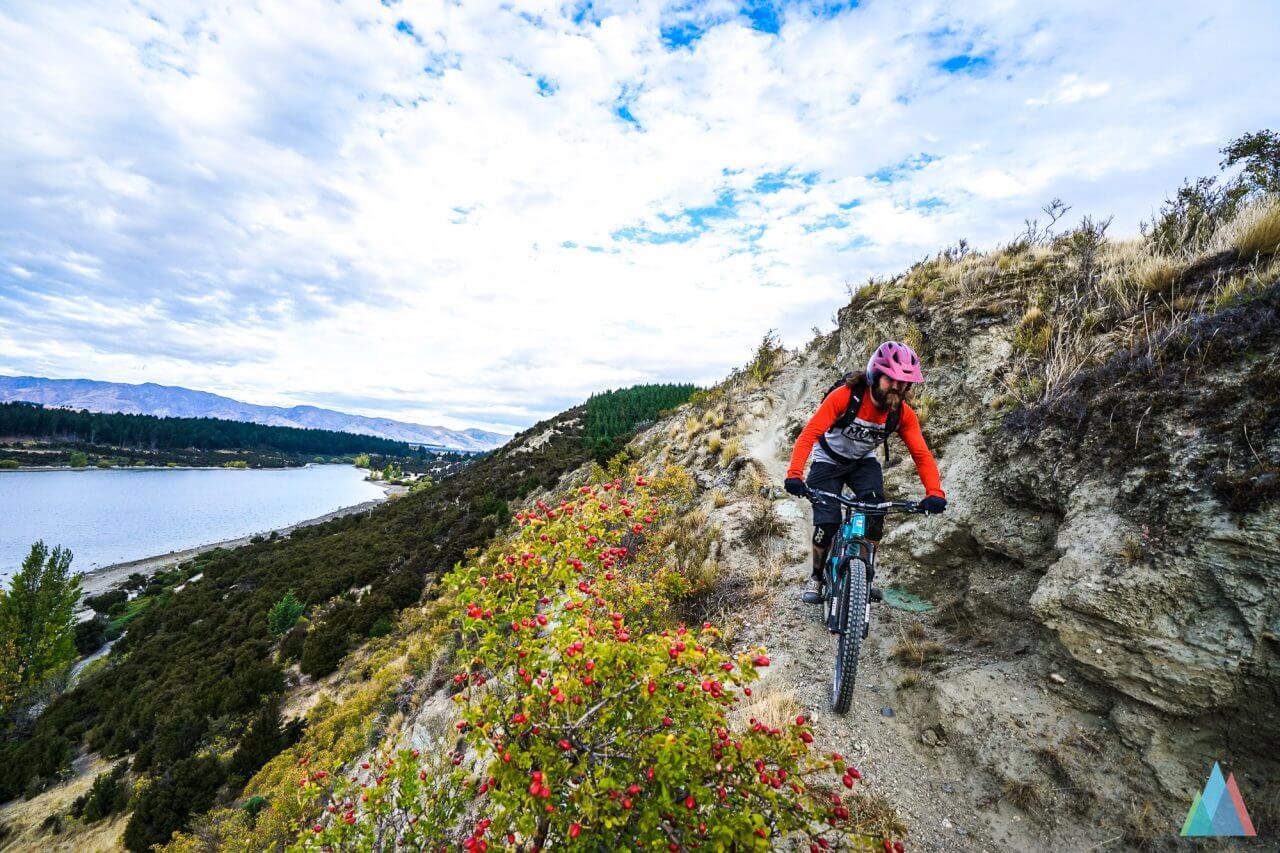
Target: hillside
{"x":172,"y":401}
{"x":1087,"y":629}
{"x":1098,"y":604}
{"x":197,"y":709}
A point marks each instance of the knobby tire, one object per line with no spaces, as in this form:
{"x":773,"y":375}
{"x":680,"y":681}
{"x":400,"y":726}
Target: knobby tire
{"x":852,"y":604}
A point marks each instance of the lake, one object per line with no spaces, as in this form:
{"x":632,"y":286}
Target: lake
{"x":115,"y":515}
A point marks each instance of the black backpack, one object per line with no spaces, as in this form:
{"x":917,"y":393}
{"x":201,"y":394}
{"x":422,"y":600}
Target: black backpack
{"x":857,"y":383}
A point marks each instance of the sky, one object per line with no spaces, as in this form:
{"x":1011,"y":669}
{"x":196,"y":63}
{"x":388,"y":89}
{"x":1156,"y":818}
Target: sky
{"x":479,"y":213}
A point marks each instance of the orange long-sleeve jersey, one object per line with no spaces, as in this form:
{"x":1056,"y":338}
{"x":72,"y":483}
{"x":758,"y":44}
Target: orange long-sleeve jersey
{"x":869,"y":415}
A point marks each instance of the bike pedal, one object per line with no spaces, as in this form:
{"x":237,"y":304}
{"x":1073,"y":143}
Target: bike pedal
{"x":876,"y":594}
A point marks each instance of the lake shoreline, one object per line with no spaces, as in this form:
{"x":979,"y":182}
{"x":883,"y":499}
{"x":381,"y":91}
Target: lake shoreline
{"x":103,"y":578}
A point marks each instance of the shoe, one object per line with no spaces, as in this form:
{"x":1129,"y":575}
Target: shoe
{"x":875,"y":594}
{"x":814,"y":596}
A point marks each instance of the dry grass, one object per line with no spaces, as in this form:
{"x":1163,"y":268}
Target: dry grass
{"x":908,"y":680}
{"x":1156,"y":273}
{"x":1034,"y":333}
{"x":1028,"y":796}
{"x":1143,"y":828}
{"x":732,"y":450}
{"x":1254,"y":232}
{"x":916,"y":652}
{"x":874,"y":816}
{"x":915,"y":630}
{"x":772,"y":703}
{"x":719,"y":498}
{"x":764,"y":576}
{"x":692,"y":426}
{"x":714,"y":443}
{"x":761,"y":522}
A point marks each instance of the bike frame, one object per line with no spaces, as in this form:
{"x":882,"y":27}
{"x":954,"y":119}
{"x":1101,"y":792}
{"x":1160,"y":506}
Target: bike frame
{"x":853,"y":530}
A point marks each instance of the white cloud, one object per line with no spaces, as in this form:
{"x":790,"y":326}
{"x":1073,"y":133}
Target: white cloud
{"x":302,"y":199}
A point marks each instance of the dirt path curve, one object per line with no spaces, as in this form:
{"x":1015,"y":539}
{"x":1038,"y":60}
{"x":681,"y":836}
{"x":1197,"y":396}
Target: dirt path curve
{"x":936,"y":794}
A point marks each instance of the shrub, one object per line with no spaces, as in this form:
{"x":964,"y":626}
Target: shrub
{"x":291,"y":644}
{"x":108,"y":601}
{"x":167,"y":803}
{"x":284,"y":613}
{"x":586,"y":722}
{"x":78,"y":459}
{"x":108,"y":795}
{"x":767,"y":358}
{"x":90,"y":635}
{"x":8,"y":463}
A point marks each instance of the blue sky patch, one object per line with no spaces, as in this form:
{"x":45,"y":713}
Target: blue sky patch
{"x":771,"y":182}
{"x":622,"y":106}
{"x":406,"y":28}
{"x":546,"y":88}
{"x":585,"y":12}
{"x":965,"y":63}
{"x":831,"y":220}
{"x":765,"y":15}
{"x":682,"y":34}
{"x":850,"y":204}
{"x":637,"y":234}
{"x":914,"y":163}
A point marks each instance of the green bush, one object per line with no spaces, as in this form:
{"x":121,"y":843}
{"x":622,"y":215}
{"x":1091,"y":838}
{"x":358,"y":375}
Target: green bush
{"x":109,"y":795}
{"x":8,"y":463}
{"x":169,"y":801}
{"x":106,"y":602}
{"x":91,"y":635}
{"x":284,"y":613}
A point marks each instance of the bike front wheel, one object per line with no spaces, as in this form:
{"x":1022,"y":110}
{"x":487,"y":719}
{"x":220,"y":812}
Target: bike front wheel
{"x":851,"y":605}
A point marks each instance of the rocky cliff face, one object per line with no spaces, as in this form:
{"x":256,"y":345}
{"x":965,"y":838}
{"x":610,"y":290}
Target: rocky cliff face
{"x":1120,"y":529}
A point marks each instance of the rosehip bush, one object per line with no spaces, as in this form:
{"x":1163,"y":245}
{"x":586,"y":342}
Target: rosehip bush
{"x":585,"y":717}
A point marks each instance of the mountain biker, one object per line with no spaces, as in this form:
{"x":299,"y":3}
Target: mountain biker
{"x":847,"y":428}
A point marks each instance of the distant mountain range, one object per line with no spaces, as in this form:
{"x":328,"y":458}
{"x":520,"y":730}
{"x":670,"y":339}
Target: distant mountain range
{"x":172,"y":401}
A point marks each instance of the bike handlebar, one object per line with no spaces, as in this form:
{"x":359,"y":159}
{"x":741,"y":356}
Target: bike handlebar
{"x":881,"y":508}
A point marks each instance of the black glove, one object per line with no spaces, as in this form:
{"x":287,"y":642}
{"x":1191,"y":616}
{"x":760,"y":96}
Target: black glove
{"x":933,"y":504}
{"x":796,"y":486}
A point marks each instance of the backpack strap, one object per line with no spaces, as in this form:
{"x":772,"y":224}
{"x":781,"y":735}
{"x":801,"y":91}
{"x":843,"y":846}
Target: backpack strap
{"x":857,"y":383}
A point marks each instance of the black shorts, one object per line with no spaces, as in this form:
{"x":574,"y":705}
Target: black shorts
{"x":863,"y":477}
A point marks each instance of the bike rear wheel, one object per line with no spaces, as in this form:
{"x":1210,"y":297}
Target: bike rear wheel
{"x":851,"y":602}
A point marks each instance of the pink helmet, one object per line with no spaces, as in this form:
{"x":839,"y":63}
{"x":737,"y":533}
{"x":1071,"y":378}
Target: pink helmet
{"x":895,"y":360}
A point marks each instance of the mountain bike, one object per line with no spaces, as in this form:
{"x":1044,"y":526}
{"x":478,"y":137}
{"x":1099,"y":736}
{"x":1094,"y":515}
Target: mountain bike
{"x":846,"y":592}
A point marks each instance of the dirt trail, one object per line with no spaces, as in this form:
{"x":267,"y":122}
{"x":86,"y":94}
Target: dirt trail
{"x":944,"y":803}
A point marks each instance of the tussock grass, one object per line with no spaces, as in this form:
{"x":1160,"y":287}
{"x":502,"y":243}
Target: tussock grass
{"x":1028,"y":796}
{"x":764,"y":576}
{"x":772,"y":703}
{"x":714,"y":443}
{"x":719,"y":498}
{"x":1254,"y":232}
{"x":731,"y":451}
{"x":1143,"y":827}
{"x":916,"y":652}
{"x":873,"y":815}
{"x":1156,"y":273}
{"x":908,"y":680}
{"x":761,"y":522}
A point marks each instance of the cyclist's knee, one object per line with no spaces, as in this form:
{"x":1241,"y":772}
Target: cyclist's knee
{"x":823,"y":534}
